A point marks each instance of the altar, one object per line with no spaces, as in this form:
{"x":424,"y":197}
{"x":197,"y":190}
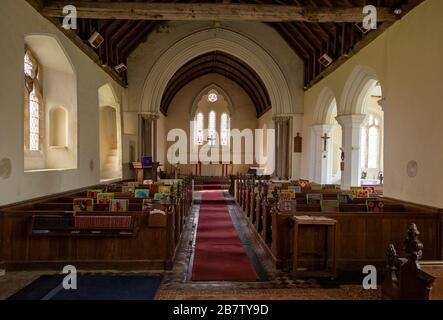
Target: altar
{"x":213,"y":169}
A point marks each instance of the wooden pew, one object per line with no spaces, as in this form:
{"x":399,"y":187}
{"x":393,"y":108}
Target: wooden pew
{"x":409,"y":278}
{"x":147,"y":246}
{"x":361,"y":235}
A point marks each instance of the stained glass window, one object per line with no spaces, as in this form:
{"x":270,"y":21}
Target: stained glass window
{"x":211,"y":129}
{"x":34,"y":121}
{"x":33,"y":103}
{"x":212,"y":97}
{"x":373,"y":148}
{"x":29,"y":67}
{"x":224,"y":133}
{"x":199,"y":129}
{"x":370,"y":143}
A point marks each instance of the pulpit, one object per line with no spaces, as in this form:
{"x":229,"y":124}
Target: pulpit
{"x":145,"y":172}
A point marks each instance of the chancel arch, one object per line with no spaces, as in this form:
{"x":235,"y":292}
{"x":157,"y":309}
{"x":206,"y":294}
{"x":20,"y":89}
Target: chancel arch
{"x":110,"y":134}
{"x":50,"y":105}
{"x":203,"y":42}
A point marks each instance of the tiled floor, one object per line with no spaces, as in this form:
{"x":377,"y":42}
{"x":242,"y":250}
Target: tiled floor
{"x":274,"y":284}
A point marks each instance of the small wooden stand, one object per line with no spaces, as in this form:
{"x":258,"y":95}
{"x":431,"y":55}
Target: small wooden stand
{"x":145,"y":172}
{"x":330,"y":245}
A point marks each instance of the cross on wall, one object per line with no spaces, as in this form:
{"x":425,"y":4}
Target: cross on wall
{"x":325,"y":139}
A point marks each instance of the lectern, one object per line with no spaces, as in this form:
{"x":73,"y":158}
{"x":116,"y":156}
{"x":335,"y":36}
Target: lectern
{"x":145,"y":172}
{"x":330,"y":240}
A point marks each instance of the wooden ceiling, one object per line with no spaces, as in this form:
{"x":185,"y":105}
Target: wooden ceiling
{"x":310,"y":27}
{"x":223,"y":64}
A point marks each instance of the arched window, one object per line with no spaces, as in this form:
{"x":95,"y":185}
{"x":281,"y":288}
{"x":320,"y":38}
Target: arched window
{"x":370,"y":143}
{"x":265,"y":140}
{"x":33,"y":103}
{"x":211,"y":129}
{"x":224,"y":130}
{"x":373,"y":148}
{"x":199,"y":129}
{"x":363,"y":147}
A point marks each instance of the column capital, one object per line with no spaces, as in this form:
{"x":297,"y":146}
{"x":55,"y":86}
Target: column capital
{"x":149,"y":115}
{"x":281,"y":118}
{"x":352,"y":120}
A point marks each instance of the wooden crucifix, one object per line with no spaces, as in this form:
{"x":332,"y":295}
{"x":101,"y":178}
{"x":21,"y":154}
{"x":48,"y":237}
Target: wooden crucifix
{"x":325,"y":141}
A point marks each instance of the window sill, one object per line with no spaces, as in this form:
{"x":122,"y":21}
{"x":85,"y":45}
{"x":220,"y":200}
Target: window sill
{"x":59,"y":147}
{"x":49,"y":170}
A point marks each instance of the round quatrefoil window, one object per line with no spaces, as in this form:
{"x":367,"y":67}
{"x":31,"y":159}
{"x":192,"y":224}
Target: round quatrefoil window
{"x":412,"y":169}
{"x":212,"y":97}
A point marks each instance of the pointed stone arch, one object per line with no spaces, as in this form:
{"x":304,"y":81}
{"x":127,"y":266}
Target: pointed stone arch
{"x":356,"y":89}
{"x":209,"y":40}
{"x":325,"y":104}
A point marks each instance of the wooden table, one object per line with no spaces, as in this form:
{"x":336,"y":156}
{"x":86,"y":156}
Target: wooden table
{"x":329,"y":247}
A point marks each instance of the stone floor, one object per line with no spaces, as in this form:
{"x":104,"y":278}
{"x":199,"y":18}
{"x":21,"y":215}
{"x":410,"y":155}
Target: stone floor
{"x":177,"y":284}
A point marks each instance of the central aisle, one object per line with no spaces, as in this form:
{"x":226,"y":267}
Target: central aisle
{"x":219,"y":254}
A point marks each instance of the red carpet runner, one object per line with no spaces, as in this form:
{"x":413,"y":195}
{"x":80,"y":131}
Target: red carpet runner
{"x":219,"y":254}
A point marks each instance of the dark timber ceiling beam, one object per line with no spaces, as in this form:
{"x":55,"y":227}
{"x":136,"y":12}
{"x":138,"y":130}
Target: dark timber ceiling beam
{"x":214,"y":11}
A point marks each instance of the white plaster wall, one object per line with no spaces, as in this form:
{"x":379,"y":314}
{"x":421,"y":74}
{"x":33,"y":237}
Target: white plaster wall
{"x":18,"y":19}
{"x":406,"y":59}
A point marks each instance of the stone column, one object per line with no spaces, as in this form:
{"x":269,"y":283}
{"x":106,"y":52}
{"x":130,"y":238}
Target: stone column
{"x":351,"y":125}
{"x":322,"y":158}
{"x":282,"y":134}
{"x":148,"y":135}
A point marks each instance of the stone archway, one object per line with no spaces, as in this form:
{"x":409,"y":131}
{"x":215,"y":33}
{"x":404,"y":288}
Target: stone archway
{"x":324,"y":131}
{"x":217,"y":39}
{"x":351,"y":115}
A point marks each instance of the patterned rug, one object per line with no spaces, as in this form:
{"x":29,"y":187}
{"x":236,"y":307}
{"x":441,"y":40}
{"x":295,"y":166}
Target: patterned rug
{"x":353,"y":292}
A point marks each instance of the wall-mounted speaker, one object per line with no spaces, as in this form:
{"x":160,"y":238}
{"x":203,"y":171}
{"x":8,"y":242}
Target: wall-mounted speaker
{"x":120,"y":68}
{"x":325,"y":60}
{"x":96,"y":40}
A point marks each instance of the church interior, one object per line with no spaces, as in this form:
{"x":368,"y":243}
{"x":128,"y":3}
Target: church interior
{"x":221,"y":150}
